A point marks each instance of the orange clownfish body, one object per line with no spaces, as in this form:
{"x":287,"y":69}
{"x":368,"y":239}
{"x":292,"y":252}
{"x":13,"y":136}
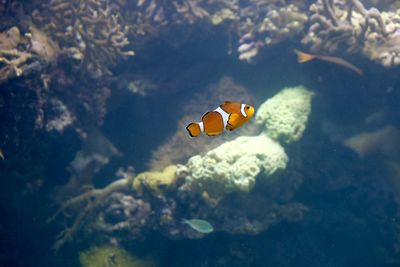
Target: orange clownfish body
{"x":229,"y":116}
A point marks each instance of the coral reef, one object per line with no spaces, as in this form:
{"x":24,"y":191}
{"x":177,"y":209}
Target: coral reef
{"x":12,"y":60}
{"x":222,"y":16}
{"x":124,"y":217}
{"x":286,"y":114}
{"x":93,"y":198}
{"x":283,"y":23}
{"x":106,"y":256}
{"x":52,"y":110}
{"x":223,"y":174}
{"x":264,"y":24}
{"x":156,"y":181}
{"x":215,"y":186}
{"x":93,"y":32}
{"x":42,"y":45}
{"x":180,"y":146}
{"x":234,"y":166}
{"x":348,"y":25}
{"x":23,"y":53}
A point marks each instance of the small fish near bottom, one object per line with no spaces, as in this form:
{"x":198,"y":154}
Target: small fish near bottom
{"x":201,"y":226}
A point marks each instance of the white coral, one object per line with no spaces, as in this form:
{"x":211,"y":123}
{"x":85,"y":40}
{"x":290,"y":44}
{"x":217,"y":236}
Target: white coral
{"x":234,"y":165}
{"x":286,"y":114}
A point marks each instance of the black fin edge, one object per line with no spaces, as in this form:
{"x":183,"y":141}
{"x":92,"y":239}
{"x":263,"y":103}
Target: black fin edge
{"x":187,"y":128}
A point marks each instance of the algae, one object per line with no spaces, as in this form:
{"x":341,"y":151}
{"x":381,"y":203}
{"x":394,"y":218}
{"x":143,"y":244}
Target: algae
{"x":110,"y":256}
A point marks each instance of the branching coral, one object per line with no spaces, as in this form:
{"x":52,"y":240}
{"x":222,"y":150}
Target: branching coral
{"x":92,"y":32}
{"x":261,"y":23}
{"x":93,"y":198}
{"x":348,"y":25}
{"x":12,"y":60}
{"x":20,"y":53}
{"x":95,"y":32}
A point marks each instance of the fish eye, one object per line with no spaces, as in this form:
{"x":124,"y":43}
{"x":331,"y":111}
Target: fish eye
{"x":247,"y":107}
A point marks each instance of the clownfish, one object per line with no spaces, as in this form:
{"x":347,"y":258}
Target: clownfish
{"x":229,"y":116}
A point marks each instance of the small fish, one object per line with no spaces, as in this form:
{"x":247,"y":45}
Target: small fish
{"x":229,"y":116}
{"x":1,"y":154}
{"x":200,"y":226}
{"x":304,"y":57}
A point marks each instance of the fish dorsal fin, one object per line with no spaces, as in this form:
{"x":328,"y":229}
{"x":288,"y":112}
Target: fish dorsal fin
{"x":225,"y":104}
{"x":231,"y":107}
{"x":303,"y":57}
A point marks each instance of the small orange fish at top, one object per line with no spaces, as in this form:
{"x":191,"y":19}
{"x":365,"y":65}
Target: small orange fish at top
{"x":304,"y":57}
{"x":228,"y":116}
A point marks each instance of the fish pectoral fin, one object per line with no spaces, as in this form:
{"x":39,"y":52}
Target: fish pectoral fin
{"x":233,"y":121}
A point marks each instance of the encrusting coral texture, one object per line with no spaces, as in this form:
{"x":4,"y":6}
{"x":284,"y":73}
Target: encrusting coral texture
{"x":234,"y":165}
{"x":285,"y":115}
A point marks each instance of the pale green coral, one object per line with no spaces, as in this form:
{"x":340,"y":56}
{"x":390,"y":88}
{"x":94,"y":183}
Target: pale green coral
{"x":234,"y":165}
{"x":110,"y":256}
{"x":286,"y":114}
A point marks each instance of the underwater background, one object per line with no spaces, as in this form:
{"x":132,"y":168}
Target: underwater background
{"x":97,"y":168}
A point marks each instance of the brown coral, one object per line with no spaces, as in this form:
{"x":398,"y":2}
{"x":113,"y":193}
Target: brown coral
{"x":348,"y":25}
{"x":91,"y":32}
{"x":12,"y":59}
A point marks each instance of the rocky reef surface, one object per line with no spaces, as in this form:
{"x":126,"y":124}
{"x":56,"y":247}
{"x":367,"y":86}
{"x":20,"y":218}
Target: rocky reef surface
{"x":209,"y":184}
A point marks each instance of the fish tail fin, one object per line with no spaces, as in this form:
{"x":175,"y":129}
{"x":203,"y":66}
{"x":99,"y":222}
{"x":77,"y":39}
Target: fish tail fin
{"x":303,"y":57}
{"x":194,"y":129}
